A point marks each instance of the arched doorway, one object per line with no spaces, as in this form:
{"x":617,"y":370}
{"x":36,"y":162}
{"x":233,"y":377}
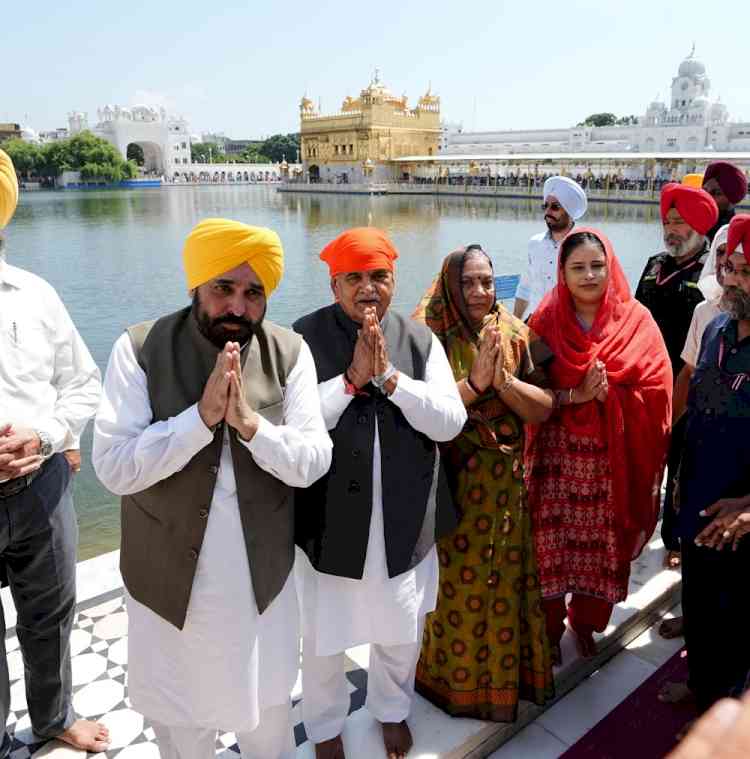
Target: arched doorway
{"x":147,"y":155}
{"x":314,"y":172}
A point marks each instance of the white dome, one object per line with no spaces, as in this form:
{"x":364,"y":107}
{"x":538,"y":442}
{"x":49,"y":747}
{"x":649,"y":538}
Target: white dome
{"x":692,"y":67}
{"x":29,"y":135}
{"x":701,"y":102}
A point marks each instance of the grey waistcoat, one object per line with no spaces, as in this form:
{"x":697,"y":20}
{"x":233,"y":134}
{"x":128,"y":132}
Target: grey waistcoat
{"x":332,"y":516}
{"x":163,"y":526}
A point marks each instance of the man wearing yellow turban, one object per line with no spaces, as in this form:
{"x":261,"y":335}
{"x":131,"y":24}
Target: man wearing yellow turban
{"x":49,"y":389}
{"x":210,"y":417}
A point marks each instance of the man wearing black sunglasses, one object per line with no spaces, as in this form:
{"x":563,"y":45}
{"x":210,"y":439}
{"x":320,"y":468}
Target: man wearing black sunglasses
{"x":564,"y":203}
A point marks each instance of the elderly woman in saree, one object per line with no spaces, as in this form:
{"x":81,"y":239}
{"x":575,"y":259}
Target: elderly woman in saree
{"x":485,"y":646}
{"x":594,"y":468}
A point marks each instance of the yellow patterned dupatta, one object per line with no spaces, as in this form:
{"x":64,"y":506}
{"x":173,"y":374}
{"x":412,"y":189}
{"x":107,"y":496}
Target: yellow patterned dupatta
{"x":491,"y":423}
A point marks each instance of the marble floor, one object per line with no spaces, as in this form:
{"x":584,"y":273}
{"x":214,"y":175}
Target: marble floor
{"x":99,"y":645}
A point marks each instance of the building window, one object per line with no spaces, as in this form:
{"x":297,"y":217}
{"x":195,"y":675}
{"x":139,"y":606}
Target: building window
{"x":184,"y":144}
{"x":184,"y":160}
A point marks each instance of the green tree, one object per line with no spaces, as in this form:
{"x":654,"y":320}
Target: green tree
{"x":206,"y":152}
{"x":599,"y":120}
{"x":135,"y":153}
{"x":253,"y":155}
{"x":26,"y":156}
{"x":281,"y":146}
{"x":93,"y":156}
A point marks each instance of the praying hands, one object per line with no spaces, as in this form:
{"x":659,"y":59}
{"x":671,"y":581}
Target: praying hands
{"x":223,"y":397}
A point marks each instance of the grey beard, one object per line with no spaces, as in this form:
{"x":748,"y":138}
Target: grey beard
{"x":692,"y":244}
{"x":736,"y":303}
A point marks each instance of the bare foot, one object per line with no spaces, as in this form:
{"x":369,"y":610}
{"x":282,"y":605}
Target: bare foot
{"x":671,"y":628}
{"x":331,"y":749}
{"x":672,"y":559}
{"x":397,"y":739}
{"x":586,"y":645}
{"x":675,"y":693}
{"x":86,"y":735}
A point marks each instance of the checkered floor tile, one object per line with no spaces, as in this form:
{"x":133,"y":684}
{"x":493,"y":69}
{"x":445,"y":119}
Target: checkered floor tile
{"x":100,"y":691}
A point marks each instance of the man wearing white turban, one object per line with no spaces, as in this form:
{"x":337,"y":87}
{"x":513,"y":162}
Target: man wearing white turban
{"x":564,"y":203}
{"x":210,"y":417}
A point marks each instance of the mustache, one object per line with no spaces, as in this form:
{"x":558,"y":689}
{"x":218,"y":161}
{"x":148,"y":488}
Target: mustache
{"x":233,"y":320}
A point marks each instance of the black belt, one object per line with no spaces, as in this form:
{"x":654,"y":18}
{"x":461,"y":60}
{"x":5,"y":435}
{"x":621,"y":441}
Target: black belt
{"x":17,"y":484}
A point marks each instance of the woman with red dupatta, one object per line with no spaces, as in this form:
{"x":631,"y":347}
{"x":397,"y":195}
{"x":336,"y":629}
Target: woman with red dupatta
{"x":595,"y":468}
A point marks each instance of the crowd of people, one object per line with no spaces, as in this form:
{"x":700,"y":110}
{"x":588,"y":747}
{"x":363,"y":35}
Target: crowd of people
{"x":525,"y":180}
{"x":450,"y":488}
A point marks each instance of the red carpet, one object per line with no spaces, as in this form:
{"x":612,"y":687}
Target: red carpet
{"x":641,"y":727}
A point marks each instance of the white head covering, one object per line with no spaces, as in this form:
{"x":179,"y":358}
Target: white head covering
{"x":708,"y":283}
{"x":570,"y":194}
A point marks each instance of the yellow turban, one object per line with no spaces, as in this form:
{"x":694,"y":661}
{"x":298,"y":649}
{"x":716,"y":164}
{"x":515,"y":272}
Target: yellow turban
{"x":8,"y":189}
{"x":693,"y":180}
{"x":216,"y":246}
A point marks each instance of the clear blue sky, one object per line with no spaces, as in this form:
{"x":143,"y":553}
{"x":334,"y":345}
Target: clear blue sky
{"x":241,"y":67}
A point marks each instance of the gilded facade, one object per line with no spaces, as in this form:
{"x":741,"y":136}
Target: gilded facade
{"x":366,"y":133}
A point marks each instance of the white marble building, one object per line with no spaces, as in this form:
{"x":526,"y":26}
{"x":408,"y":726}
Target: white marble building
{"x":690,"y":122}
{"x":165,"y":140}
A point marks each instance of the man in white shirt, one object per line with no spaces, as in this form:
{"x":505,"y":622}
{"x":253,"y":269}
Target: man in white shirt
{"x":210,"y":417}
{"x":564,"y":203}
{"x":368,"y":529}
{"x":49,"y":389}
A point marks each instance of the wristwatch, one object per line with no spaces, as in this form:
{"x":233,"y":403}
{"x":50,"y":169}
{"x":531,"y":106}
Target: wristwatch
{"x":45,"y":449}
{"x":379,"y":380}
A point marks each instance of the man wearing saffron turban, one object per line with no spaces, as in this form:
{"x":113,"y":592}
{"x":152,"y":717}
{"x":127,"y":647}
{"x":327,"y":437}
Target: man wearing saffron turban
{"x":369,"y":572}
{"x":49,"y":389}
{"x":669,"y":288}
{"x":714,"y":493}
{"x":727,"y":185}
{"x":210,"y":417}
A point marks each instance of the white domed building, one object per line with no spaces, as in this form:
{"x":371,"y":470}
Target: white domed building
{"x":164,"y":140}
{"x":690,"y":122}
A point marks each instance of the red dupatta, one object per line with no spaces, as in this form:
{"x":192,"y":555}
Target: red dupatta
{"x":638,"y":409}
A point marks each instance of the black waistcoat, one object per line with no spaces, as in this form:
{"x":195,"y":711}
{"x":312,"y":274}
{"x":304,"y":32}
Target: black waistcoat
{"x":671,"y":294}
{"x":332,"y":517}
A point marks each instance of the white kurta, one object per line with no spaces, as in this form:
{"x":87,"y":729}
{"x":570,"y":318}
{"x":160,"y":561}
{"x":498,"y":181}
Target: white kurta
{"x":705,"y":312}
{"x":339,"y":612}
{"x":228,"y":663}
{"x":541,"y":271}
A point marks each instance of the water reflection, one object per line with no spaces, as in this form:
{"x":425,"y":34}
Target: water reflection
{"x":115,"y":258}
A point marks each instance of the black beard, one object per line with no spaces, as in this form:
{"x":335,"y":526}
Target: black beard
{"x":736,"y":303}
{"x":214,"y":331}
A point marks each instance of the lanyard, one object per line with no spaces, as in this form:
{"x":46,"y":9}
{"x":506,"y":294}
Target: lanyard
{"x":660,"y":281}
{"x":737,"y":379}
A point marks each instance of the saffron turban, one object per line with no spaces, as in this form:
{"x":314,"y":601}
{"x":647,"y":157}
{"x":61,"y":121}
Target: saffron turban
{"x":8,"y":189}
{"x":731,"y":179}
{"x":216,"y":246}
{"x":695,"y":206}
{"x":739,"y":235}
{"x":569,"y":194}
{"x":359,"y":249}
{"x":693,"y":180}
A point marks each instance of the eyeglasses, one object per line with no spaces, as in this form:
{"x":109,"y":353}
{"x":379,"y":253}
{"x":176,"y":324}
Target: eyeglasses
{"x":743,"y":272}
{"x":551,"y":206}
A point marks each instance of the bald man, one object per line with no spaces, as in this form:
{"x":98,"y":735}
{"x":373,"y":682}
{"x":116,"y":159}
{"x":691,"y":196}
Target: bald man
{"x":210,"y":417}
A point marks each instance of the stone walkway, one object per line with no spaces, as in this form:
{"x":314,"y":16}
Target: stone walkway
{"x":99,"y":645}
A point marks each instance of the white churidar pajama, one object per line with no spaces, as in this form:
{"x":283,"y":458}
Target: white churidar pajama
{"x":229,"y":668}
{"x":388,"y":613}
